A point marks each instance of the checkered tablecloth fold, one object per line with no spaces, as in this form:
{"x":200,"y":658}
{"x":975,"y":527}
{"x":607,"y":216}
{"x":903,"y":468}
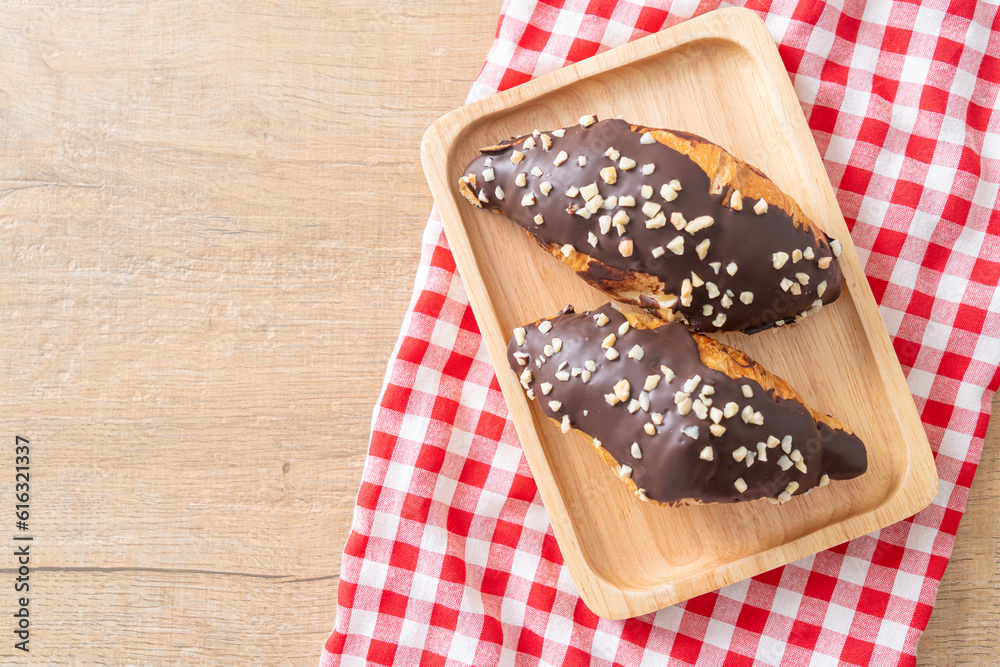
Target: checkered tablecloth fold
{"x":451,"y":559}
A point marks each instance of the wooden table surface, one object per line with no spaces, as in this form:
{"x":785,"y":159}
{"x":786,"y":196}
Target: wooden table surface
{"x":210,"y":217}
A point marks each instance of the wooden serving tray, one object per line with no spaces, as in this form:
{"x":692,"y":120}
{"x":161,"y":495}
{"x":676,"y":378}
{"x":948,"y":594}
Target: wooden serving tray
{"x":719,"y":76}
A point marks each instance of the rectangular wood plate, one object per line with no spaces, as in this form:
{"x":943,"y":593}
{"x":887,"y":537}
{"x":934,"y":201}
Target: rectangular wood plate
{"x":719,"y":76}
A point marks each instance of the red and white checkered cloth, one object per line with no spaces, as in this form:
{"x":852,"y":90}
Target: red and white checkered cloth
{"x":451,"y":559}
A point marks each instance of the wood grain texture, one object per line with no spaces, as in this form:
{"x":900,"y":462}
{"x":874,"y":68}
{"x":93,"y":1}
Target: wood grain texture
{"x":629,"y":558}
{"x":190,"y":238}
{"x":201,"y":287}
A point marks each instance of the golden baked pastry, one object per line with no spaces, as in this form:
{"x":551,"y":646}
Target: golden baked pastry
{"x":664,"y":220}
{"x":679,"y":416}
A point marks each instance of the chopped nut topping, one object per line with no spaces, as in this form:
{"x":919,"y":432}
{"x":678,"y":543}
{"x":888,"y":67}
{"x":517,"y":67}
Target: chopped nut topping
{"x":610,"y":203}
{"x":803,"y":278}
{"x":608,"y":341}
{"x":498,"y":193}
{"x":545,"y":187}
{"x":647,"y":138}
{"x":717,"y":430}
{"x":778,"y":259}
{"x":757,"y":419}
{"x":626,"y":163}
{"x":747,"y":414}
{"x":650,"y":209}
{"x":690,"y":431}
{"x":715,"y":266}
{"x":565,"y":426}
{"x":808,"y":253}
{"x":519,"y":334}
{"x":621,"y":218}
{"x":796,"y":455}
{"x":611,"y":399}
{"x":582,"y":160}
{"x":646,"y":191}
{"x":626,"y":200}
{"x":677,"y":220}
{"x":750,"y":458}
{"x":725,"y":301}
{"x":651,"y":382}
{"x":633,"y":406}
{"x":612,"y":153}
{"x":605,"y":222}
{"x":587,"y":121}
{"x":747,"y":391}
{"x":656,"y":418}
{"x":625,"y":472}
{"x":736,"y":201}
{"x":530,"y":394}
{"x":699,"y":408}
{"x":784,"y":462}
{"x":824,"y":262}
{"x":786,"y":283}
{"x":707,"y":309}
{"x":572,"y":192}
{"x":668,"y":373}
{"x":522,"y":358}
{"x":731,"y":268}
{"x":760,"y":207}
{"x":609,"y":175}
{"x":516,"y":157}
{"x":824,"y":480}
{"x":679,"y":396}
{"x":685,"y":291}
{"x":555,"y":406}
{"x":746,"y":297}
{"x":559,"y":133}
{"x":648,"y":169}
{"x":696,"y":280}
{"x":699,"y":223}
{"x":795,"y":289}
{"x":740,"y":485}
{"x":796,"y":256}
{"x":625,"y":248}
{"x":656,"y":222}
{"x":658,"y":251}
{"x":692,"y":383}
{"x":488,"y":162}
{"x":589,"y":191}
{"x":567,"y":250}
{"x":488,"y":175}
{"x":719,"y":320}
{"x":585,"y":376}
{"x":546,"y":388}
{"x":529,"y":143}
{"x":601,"y":320}
{"x":685,"y":406}
{"x":611,"y":354}
{"x":713,"y":290}
{"x":784,"y":496}
{"x":623,"y":329}
{"x":561,"y":157}
{"x":536,"y":171}
{"x":483,"y":197}
{"x":702,"y":248}
{"x":548,"y":350}
{"x":594,"y":203}
{"x":786,"y":444}
{"x":635,"y":353}
{"x":835,"y":247}
{"x":546,"y":142}
{"x":821,"y":289}
{"x":636,"y":452}
{"x":761,"y":452}
{"x":730,"y":410}
{"x":526,"y":376}
{"x":667,"y":192}
{"x":772,"y":442}
{"x":740,"y":453}
{"x":676,"y":246}
{"x":590,"y":365}
{"x":528,"y":199}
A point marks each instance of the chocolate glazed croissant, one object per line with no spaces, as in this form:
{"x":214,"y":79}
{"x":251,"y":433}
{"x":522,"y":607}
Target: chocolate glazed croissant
{"x":664,"y":220}
{"x":680,"y":417}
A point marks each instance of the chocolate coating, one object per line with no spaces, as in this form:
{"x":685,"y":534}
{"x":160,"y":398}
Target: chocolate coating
{"x":671,"y":467}
{"x":743,"y":237}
